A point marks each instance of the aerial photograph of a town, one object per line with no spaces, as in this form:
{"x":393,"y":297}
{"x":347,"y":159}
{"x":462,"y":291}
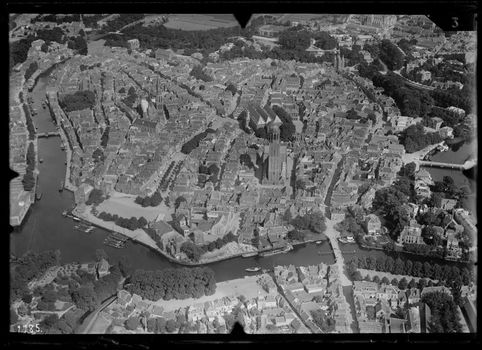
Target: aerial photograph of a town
{"x":182,"y":174}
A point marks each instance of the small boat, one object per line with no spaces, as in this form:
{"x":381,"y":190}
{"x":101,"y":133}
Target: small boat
{"x":64,"y":213}
{"x":61,"y":188}
{"x":75,"y":218}
{"x":350,"y":239}
{"x":41,"y":160}
{"x":248,"y":255}
{"x":319,"y":242}
{"x":89,"y":229}
{"x":342,"y":240}
{"x":38,"y":195}
{"x":253,"y":269}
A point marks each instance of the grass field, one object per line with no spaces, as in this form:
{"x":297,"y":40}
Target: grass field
{"x":200,"y":22}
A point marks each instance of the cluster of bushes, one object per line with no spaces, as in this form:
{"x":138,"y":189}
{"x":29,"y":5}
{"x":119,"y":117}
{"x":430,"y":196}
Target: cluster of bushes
{"x":55,"y":34}
{"x":210,"y":173}
{"x":30,"y":70}
{"x":78,"y":101}
{"x":166,"y":284}
{"x":444,"y":314}
{"x":28,"y":180}
{"x":131,"y":97}
{"x":198,"y":73}
{"x":461,"y":98}
{"x":193,"y":143}
{"x":194,"y":252}
{"x":95,"y":197}
{"x":149,"y":201}
{"x":314,"y":221}
{"x":326,"y":324}
{"x":414,"y":138}
{"x":19,"y":50}
{"x":131,"y":224}
{"x":391,"y":55}
{"x":30,"y":266}
{"x":78,"y":44}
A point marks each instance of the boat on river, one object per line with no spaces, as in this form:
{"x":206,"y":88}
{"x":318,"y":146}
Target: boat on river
{"x":248,"y":255}
{"x":253,"y":269}
{"x":41,"y":160}
{"x":277,"y":251}
{"x":61,"y":188}
{"x":38,"y":195}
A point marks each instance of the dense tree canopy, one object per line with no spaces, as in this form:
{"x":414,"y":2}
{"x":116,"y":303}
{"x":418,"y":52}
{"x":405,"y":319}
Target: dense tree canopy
{"x":78,"y":101}
{"x":414,"y":138}
{"x":171,"y":283}
{"x":445,"y":317}
{"x":391,"y":55}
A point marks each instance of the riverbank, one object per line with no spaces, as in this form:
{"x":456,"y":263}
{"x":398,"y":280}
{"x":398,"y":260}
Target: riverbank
{"x":54,"y":106}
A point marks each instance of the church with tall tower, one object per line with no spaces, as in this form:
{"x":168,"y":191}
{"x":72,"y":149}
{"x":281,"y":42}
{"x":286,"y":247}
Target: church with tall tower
{"x":276,"y":156}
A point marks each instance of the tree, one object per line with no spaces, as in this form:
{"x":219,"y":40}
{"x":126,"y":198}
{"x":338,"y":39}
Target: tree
{"x":403,"y":284}
{"x":445,"y":317}
{"x":427,"y":269}
{"x":376,"y":279}
{"x":408,"y":267}
{"x":399,"y":267}
{"x":412,"y":283}
{"x":85,"y":298}
{"x":192,"y":251}
{"x":389,"y":264}
{"x":422,"y":283}
{"x":27,"y":298}
{"x":141,"y":222}
{"x":132,"y":323}
{"x":385,"y":280}
{"x":178,"y":201}
{"x":394,"y":282}
{"x":417,"y":269}
{"x":391,"y":55}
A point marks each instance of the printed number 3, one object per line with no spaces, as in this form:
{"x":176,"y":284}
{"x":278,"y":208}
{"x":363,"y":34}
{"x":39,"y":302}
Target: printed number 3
{"x":455,"y":22}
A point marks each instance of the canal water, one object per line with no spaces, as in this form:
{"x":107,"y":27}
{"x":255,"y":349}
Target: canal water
{"x":457,"y":157}
{"x":45,"y":228}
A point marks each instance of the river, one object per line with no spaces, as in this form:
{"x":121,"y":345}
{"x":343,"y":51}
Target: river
{"x":44,"y":227}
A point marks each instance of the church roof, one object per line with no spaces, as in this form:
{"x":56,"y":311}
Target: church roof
{"x":277,"y":121}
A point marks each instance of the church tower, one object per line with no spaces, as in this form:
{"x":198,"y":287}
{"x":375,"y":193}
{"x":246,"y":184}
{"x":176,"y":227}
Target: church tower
{"x":275,"y":161}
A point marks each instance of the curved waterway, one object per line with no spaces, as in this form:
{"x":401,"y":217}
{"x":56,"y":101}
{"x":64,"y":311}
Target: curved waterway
{"x":45,"y":228}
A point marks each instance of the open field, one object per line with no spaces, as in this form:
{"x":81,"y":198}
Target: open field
{"x":126,"y":207}
{"x":199,"y":22}
{"x":242,"y":286}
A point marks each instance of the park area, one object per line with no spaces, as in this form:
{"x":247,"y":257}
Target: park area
{"x":124,"y":206}
{"x":248,"y":287}
{"x":200,"y":22}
